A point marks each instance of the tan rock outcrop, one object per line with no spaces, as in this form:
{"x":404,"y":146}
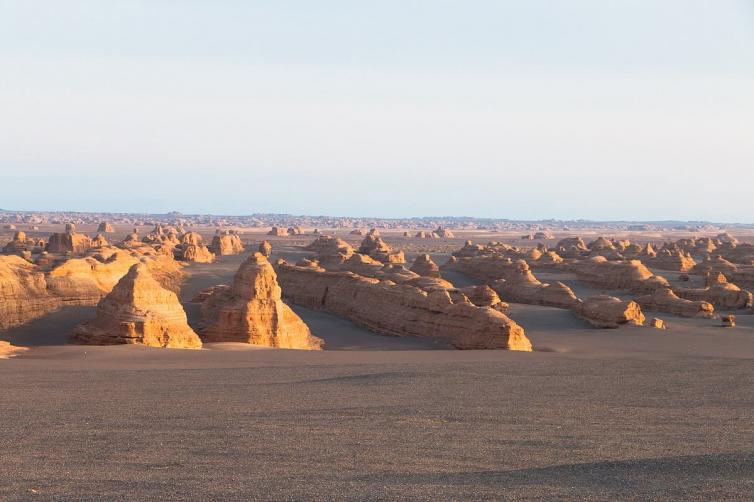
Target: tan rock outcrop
{"x":23,"y":292}
{"x":675,"y":260}
{"x":278,"y":232}
{"x":604,"y":311}
{"x":99,"y":241}
{"x":514,"y":280}
{"x":485,"y":296}
{"x":84,"y":281}
{"x":444,"y":233}
{"x":572,"y":242}
{"x":401,"y":310}
{"x":378,"y":249}
{"x":69,"y":242}
{"x":423,"y":265}
{"x":657,"y":323}
{"x":105,"y":228}
{"x":265,"y":248}
{"x":20,"y":244}
{"x":330,"y":250}
{"x":139,"y":310}
{"x":227,"y":243}
{"x":719,"y":292}
{"x":7,"y":350}
{"x":664,"y":300}
{"x":192,"y":249}
{"x":629,"y":275}
{"x":252,"y":311}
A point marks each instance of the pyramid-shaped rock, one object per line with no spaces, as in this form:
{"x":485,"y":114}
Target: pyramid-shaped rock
{"x":139,"y":310}
{"x":252,"y":311}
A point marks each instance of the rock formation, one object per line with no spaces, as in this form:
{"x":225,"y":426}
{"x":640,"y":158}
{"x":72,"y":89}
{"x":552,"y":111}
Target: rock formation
{"x":514,"y":281}
{"x":22,"y":243}
{"x":423,"y":265}
{"x":657,"y":323}
{"x":604,"y":311}
{"x":192,"y":248}
{"x":265,"y":249}
{"x":227,"y":243}
{"x":629,"y":275}
{"x":330,"y":250}
{"x":484,"y":296}
{"x":676,"y":260}
{"x":139,"y":310}
{"x":69,"y":242}
{"x":99,"y":241}
{"x":378,"y":249}
{"x":23,"y":292}
{"x":664,"y":300}
{"x":719,"y":292}
{"x":545,"y":235}
{"x":105,"y":228}
{"x":7,"y":350}
{"x":252,"y":311}
{"x":444,"y":233}
{"x":401,"y":310}
{"x":278,"y":232}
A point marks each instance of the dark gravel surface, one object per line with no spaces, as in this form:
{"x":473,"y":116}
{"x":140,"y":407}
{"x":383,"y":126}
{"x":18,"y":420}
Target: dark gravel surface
{"x":131,"y":423}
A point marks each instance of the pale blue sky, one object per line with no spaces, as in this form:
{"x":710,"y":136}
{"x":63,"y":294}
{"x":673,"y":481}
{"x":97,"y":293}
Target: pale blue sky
{"x":634,"y":109}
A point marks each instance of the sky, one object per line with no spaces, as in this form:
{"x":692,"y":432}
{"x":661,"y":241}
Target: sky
{"x":594,"y":109}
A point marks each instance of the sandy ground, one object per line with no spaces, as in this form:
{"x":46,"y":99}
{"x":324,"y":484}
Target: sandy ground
{"x":629,"y":414}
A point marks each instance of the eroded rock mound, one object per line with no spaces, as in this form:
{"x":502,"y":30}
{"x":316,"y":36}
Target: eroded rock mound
{"x":424,"y":266}
{"x":139,"y":310}
{"x":664,"y":300}
{"x":278,"y":232}
{"x":514,"y":280}
{"x":192,"y":248}
{"x":69,"y":241}
{"x":331,"y":250}
{"x":23,"y":292}
{"x":84,"y":281}
{"x":401,"y":310}
{"x":105,"y":228}
{"x":631,"y":275}
{"x":265,"y":248}
{"x":719,"y":292}
{"x":604,"y":311}
{"x":227,"y":243}
{"x":374,"y":247}
{"x":252,"y":311}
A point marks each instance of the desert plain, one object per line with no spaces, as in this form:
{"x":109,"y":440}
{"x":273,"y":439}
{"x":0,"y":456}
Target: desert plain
{"x":181,"y":358}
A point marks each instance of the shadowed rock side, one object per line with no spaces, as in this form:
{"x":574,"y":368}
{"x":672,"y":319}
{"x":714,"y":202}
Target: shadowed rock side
{"x":227,"y":243}
{"x":139,"y":310}
{"x":374,"y":247}
{"x":424,"y":266}
{"x":664,"y":300}
{"x":513,"y":280}
{"x":604,"y":311}
{"x":192,"y":248}
{"x":29,"y":291}
{"x":252,"y":311}
{"x":630,"y":275}
{"x":719,"y":292}
{"x":401,"y":310}
{"x":84,"y":281}
{"x":69,"y":241}
{"x":23,"y":292}
{"x":105,"y":228}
